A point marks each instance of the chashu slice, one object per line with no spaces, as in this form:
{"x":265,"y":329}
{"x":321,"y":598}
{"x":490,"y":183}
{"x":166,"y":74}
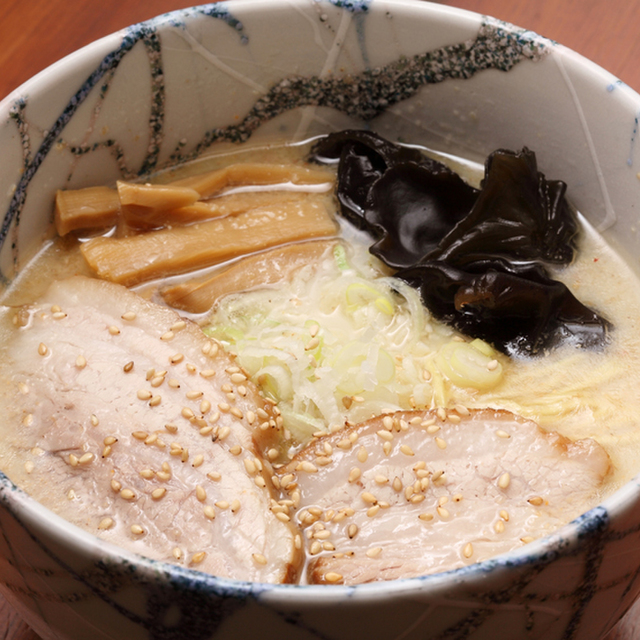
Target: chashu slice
{"x":137,"y":427}
{"x":408,"y":494}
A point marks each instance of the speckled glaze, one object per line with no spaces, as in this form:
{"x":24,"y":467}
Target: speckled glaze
{"x":185,"y":83}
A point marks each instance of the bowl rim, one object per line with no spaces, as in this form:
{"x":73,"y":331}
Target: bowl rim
{"x":31,"y":514}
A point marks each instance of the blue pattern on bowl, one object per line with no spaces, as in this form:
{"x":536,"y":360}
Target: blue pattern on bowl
{"x":518,"y":594}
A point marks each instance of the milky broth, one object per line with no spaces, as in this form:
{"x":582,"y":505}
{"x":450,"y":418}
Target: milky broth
{"x":579,"y":393}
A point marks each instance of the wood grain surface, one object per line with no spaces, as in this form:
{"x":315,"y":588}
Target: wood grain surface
{"x":36,"y":33}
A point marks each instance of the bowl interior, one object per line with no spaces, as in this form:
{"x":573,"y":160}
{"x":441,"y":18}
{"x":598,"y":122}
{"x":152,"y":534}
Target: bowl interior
{"x":197,"y":80}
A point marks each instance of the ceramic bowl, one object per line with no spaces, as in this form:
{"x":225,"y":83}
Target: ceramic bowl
{"x":169,"y":89}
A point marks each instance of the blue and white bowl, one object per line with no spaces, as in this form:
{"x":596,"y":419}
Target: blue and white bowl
{"x":169,"y":89}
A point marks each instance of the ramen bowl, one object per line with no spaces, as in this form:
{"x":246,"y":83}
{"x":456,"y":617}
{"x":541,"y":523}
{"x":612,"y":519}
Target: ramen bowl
{"x":165,"y":91}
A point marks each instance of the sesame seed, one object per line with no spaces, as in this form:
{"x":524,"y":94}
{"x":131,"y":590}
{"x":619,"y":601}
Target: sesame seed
{"x":176,"y":358}
{"x":259,"y":558}
{"x":155,"y":401}
{"x":492,"y":365}
{"x":214,"y":475}
{"x":147,"y":474}
{"x":127,"y":494}
{"x":222,"y":504}
{"x":187,"y":413}
{"x":157,"y":381}
{"x":42,"y":349}
{"x":504,"y":515}
{"x":208,"y":373}
{"x":386,"y":448}
{"x":441,"y":413}
{"x":113,"y":330}
{"x":209,"y":512}
{"x":527,"y":539}
{"x":536,"y":501}
{"x":283,"y":517}
{"x":416,"y":498}
{"x":250,"y":466}
{"x":452,"y":417}
{"x":333,"y":577}
{"x":151,"y":439}
{"x":426,"y":517}
{"x":468,"y":550}
{"x":374,"y":552}
{"x":504,"y":480}
{"x":144,"y":394}
{"x":177,"y":553}
{"x":502,"y":434}
{"x":238,"y":378}
{"x":236,"y":450}
{"x":29,"y":466}
{"x":197,"y":558}
{"x":442,"y":444}
{"x":407,"y":450}
{"x":442,"y":512}
{"x":380,"y":479}
{"x":312,"y":344}
{"x":81,"y":362}
{"x":27,"y":421}
{"x":397,"y":484}
{"x":116,"y":486}
{"x":73,"y":460}
{"x":86,"y":458}
{"x":179,"y":325}
{"x":235,"y":506}
{"x":499,"y":526}
{"x":462,"y":410}
{"x":307,"y":466}
{"x":140,"y":435}
{"x":385,"y":435}
{"x":191,"y":368}
{"x":105,"y":523}
{"x":158,"y":493}
{"x":129,"y":316}
{"x":372,"y":511}
{"x":234,"y":411}
{"x":369,"y":497}
{"x":354,"y":474}
{"x":167,"y":336}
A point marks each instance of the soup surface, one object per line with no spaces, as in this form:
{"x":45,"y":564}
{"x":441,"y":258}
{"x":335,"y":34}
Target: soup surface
{"x":348,"y":420}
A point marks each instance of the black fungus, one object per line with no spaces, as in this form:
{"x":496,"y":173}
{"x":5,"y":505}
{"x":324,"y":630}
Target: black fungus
{"x":476,"y":257}
{"x":406,"y":201}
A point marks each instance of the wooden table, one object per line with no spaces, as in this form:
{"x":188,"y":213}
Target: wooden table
{"x":35,"y":33}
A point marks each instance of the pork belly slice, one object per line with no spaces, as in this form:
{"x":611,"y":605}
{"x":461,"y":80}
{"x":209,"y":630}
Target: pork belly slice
{"x":409,"y":494}
{"x":140,"y":429}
